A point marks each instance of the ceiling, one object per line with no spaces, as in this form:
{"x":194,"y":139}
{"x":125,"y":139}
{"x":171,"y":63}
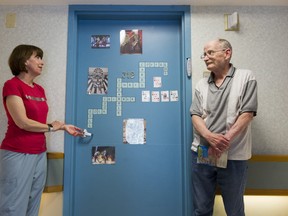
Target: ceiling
{"x":151,"y":2}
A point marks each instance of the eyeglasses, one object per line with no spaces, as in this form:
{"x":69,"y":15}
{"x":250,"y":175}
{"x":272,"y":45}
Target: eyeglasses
{"x":210,"y":53}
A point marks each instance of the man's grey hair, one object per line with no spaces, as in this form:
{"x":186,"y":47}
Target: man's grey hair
{"x":225,"y":44}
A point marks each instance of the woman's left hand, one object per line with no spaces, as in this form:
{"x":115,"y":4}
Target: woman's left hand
{"x":57,"y":125}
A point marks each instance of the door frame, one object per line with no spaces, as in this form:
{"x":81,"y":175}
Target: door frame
{"x":91,"y":12}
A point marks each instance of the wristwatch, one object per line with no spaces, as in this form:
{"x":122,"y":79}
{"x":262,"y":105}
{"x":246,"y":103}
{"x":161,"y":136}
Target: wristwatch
{"x":50,"y":127}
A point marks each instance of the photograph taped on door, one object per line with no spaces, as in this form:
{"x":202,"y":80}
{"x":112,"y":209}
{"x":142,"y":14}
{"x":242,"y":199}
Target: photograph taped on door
{"x":97,"y":80}
{"x":131,"y":41}
{"x":100,"y":41}
{"x":103,"y":155}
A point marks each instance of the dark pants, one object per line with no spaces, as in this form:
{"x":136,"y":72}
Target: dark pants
{"x":231,"y":181}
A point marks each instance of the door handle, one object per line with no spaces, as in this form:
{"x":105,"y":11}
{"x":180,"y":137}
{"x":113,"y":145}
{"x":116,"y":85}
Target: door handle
{"x":86,"y":133}
{"x":83,"y":137}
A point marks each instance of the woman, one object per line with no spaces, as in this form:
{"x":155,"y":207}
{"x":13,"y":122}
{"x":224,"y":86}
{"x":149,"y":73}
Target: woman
{"x":23,"y":149}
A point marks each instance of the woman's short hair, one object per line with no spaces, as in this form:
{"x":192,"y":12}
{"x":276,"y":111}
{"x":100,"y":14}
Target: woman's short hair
{"x":20,"y":55}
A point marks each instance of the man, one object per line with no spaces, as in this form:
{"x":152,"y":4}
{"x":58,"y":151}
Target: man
{"x":222,"y":110}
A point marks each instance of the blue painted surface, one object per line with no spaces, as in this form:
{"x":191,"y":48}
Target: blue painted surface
{"x":151,"y":179}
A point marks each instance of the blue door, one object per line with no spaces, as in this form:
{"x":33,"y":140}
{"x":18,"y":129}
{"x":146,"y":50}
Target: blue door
{"x":127,"y":85}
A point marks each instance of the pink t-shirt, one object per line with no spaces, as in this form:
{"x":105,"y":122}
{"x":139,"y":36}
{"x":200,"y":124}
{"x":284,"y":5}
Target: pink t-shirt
{"x":34,"y":99}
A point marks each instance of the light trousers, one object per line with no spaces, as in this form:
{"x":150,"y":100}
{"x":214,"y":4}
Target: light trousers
{"x":22,"y":180}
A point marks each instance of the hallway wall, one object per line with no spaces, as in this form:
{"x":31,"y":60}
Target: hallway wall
{"x":260,"y":45}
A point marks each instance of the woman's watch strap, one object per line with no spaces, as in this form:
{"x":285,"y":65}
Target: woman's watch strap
{"x":50,"y":127}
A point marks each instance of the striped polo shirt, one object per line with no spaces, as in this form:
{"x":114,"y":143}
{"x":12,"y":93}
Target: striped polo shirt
{"x":220,"y":107}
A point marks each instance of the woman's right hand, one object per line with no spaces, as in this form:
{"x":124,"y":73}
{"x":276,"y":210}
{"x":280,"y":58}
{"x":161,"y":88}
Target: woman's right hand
{"x":73,"y":130}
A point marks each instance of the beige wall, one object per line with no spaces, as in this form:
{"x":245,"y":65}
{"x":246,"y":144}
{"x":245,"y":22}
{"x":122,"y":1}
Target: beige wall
{"x":260,"y":45}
